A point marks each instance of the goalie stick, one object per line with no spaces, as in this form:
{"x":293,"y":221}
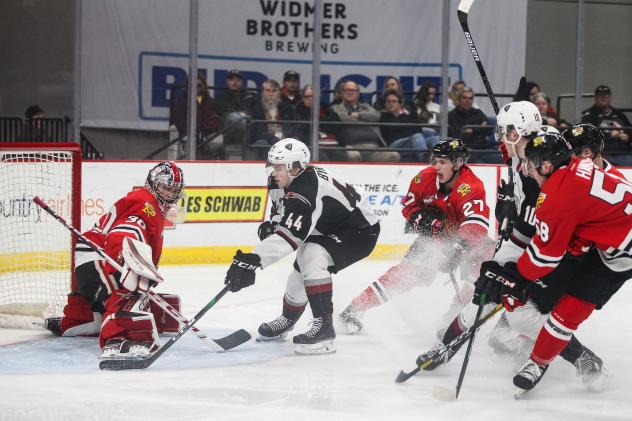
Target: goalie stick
{"x":137,"y":363}
{"x":217,"y":345}
{"x":458,"y":341}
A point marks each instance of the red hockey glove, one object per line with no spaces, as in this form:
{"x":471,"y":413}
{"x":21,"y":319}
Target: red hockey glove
{"x":428,"y":221}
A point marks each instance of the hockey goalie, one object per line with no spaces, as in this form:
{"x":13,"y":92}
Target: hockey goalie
{"x":111,"y":304}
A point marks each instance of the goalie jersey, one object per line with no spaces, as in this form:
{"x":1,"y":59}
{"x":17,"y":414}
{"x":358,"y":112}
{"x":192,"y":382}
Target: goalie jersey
{"x":136,"y":215}
{"x":317,"y":202}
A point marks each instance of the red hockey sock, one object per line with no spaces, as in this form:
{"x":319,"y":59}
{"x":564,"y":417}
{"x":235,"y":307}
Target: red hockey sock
{"x":558,"y":329}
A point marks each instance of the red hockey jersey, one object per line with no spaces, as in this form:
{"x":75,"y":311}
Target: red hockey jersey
{"x":465,"y":207}
{"x":136,"y":215}
{"x":579,"y":201}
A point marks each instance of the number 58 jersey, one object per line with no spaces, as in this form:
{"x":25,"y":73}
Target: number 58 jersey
{"x":317,"y":202}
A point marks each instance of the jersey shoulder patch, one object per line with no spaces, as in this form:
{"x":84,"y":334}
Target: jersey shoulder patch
{"x":464,"y":189}
{"x":294,"y":195}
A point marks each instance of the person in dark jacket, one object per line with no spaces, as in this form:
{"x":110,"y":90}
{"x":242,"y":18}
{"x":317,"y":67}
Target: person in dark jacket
{"x":464,"y":114}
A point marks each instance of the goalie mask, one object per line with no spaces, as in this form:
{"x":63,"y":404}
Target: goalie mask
{"x":166,"y":182}
{"x":522,"y":116}
{"x":291,"y":153}
{"x":582,"y":136}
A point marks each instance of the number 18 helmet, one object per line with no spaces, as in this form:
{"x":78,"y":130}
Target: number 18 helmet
{"x":521,"y":116}
{"x":585,"y":135}
{"x":293,"y":153}
{"x":550,"y":147}
{"x":166,"y":182}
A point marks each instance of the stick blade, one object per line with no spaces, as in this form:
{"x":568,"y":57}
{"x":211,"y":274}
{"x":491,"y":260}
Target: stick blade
{"x":444,"y":394}
{"x":403,"y":376}
{"x":234,"y":339}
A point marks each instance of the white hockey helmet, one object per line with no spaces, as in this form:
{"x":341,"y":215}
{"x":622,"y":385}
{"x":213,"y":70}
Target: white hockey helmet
{"x":521,"y":116}
{"x":291,"y":152}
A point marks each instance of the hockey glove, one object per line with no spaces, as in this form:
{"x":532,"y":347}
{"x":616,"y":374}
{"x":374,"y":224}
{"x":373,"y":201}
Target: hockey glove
{"x":501,"y":285}
{"x":522,"y":94}
{"x":265,"y":230}
{"x":241,"y":273}
{"x":428,"y":221}
{"x":453,"y":254}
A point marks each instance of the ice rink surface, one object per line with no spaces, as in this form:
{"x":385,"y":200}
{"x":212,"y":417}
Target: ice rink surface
{"x":46,"y":378}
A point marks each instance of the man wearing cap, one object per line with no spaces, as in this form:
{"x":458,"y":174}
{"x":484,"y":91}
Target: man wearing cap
{"x":604,"y":116}
{"x":33,"y":128}
{"x":290,"y":91}
{"x":234,"y":98}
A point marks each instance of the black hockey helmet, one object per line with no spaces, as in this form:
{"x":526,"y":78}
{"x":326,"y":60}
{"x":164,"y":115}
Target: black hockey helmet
{"x":450,"y":148}
{"x":585,"y":135}
{"x":166,"y":182}
{"x":550,"y":147}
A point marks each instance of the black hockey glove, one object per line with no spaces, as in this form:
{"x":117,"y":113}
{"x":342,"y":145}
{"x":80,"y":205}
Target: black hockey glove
{"x":241,"y":273}
{"x":265,"y":230}
{"x":428,"y":221}
{"x":522,"y":94}
{"x":453,"y":255}
{"x":501,"y":285}
{"x":505,"y":207}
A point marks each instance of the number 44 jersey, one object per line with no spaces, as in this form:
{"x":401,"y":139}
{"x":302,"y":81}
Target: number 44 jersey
{"x":317,"y":202}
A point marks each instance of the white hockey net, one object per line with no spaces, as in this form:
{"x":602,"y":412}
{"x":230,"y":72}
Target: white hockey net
{"x":35,"y":249}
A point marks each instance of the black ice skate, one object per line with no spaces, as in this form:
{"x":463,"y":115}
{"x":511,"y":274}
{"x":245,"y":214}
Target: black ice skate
{"x":590,"y":368}
{"x":123,"y":348}
{"x":276,"y":329}
{"x":438,"y":355}
{"x":350,"y":319}
{"x":319,"y":339}
{"x":54,"y":325}
{"x":528,"y":377}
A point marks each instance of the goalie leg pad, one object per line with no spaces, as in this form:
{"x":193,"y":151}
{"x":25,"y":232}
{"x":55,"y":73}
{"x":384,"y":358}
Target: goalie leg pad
{"x":127,"y":316}
{"x":164,"y":322}
{"x":78,"y":319}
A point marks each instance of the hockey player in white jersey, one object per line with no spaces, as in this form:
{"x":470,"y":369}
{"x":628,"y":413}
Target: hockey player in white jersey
{"x":327,"y":222}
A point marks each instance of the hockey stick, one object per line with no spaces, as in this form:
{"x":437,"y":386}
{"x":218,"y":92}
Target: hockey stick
{"x":456,"y":342}
{"x":144,"y":362}
{"x":462,"y":13}
{"x":217,"y":345}
{"x":456,"y":287}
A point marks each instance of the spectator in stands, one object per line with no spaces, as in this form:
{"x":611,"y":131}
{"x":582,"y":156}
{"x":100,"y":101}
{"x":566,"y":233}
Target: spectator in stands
{"x":453,"y":95}
{"x":404,"y":136}
{"x":464,"y":114}
{"x":549,"y":117}
{"x":610,"y":120}
{"x":391,"y":83}
{"x":234,"y":104}
{"x":278,"y":113}
{"x":207,"y":117}
{"x":427,"y":109}
{"x":34,"y":130}
{"x":290,"y":92}
{"x":358,"y":136}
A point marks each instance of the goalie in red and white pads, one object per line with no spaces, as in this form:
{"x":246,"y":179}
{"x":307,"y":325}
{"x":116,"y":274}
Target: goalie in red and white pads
{"x":110,"y":304}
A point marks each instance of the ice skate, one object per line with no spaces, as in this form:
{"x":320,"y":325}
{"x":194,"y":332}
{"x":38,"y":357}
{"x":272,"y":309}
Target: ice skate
{"x":438,"y":355}
{"x":528,"y":377}
{"x":350,"y":319}
{"x":53,"y":324}
{"x":595,"y":377}
{"x":319,"y":339}
{"x":275,"y":330}
{"x":122,"y":348}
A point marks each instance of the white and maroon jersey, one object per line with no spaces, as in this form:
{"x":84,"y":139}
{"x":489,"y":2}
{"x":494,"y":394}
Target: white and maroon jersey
{"x":136,"y":215}
{"x":580,"y":201}
{"x":317,"y":202}
{"x":465,"y":209}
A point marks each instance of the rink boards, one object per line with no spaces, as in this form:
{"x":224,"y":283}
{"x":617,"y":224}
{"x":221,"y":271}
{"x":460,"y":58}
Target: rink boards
{"x":227,"y":201}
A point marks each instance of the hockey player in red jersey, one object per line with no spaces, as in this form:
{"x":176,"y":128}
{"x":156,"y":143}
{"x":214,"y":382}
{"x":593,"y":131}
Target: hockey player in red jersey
{"x":446,"y":205}
{"x":577,"y":203}
{"x":103,"y":304}
{"x":330,"y":225}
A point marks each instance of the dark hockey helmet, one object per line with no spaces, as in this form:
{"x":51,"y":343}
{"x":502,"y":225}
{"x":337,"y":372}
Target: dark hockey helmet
{"x":166,"y":182}
{"x":450,"y":148}
{"x":550,"y":147}
{"x":585,"y":135}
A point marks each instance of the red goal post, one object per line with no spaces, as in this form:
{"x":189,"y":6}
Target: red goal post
{"x":36,"y":251}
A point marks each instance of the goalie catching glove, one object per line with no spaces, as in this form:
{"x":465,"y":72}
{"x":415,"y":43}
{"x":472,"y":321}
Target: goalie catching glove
{"x":241,"y":273}
{"x":501,"y":284}
{"x":139,"y":272}
{"x":428,"y":221}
